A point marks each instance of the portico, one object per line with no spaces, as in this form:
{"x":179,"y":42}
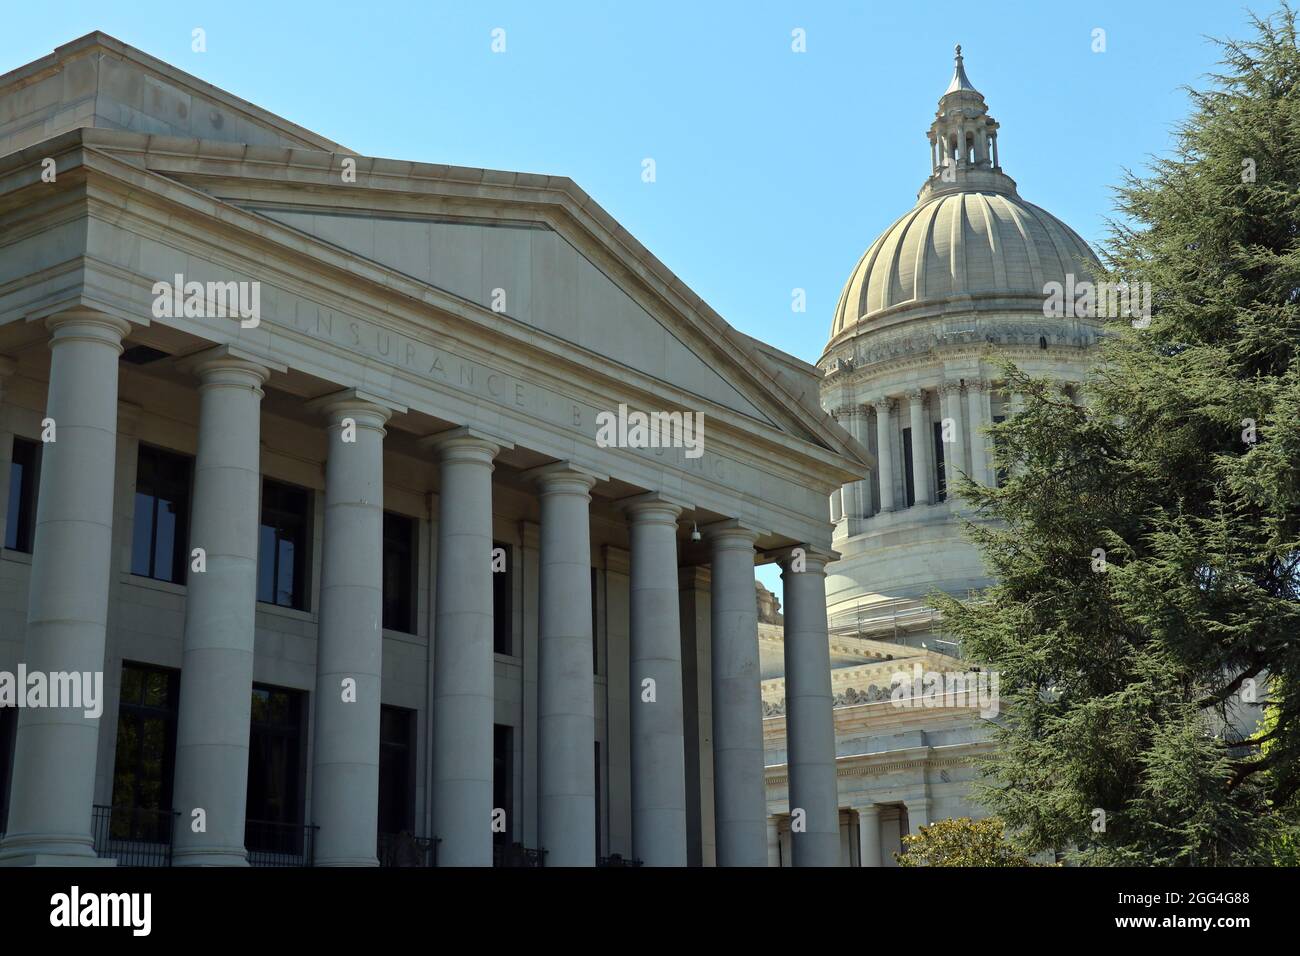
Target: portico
{"x":276,"y":540}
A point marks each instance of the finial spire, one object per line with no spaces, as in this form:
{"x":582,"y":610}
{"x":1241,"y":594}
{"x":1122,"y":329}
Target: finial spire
{"x":960,"y":81}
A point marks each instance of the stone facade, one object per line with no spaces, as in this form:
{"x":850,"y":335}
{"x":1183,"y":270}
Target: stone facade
{"x":434,"y":349}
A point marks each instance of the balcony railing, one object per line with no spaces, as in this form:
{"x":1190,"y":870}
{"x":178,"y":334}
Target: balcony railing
{"x":406,"y":849}
{"x":280,"y":844}
{"x":617,"y":859}
{"x":134,"y":836}
{"x":516,"y":854}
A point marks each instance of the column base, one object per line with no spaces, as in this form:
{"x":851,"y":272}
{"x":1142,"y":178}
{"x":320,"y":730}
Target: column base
{"x":46,"y":849}
{"x":348,"y":861}
{"x":209,"y":856}
{"x":56,"y":859}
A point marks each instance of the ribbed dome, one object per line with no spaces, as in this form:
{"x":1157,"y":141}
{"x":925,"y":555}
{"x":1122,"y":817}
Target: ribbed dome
{"x":961,"y":244}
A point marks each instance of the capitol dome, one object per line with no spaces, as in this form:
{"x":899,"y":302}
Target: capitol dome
{"x":970,"y":242}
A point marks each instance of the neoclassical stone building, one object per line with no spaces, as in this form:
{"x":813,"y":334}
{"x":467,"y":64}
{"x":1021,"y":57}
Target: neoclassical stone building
{"x":300,"y":453}
{"x":946,"y":295}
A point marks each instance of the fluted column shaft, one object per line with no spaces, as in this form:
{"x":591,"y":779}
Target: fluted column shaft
{"x":869,"y":835}
{"x":885,"y":452}
{"x":977,"y":405}
{"x":920,"y":459}
{"x":463,"y":662}
{"x":658,"y":746}
{"x":954,"y":454}
{"x":345,"y":777}
{"x":54,"y":757}
{"x":740,"y":793}
{"x":810,"y":727}
{"x":214,"y":711}
{"x":566,"y":689}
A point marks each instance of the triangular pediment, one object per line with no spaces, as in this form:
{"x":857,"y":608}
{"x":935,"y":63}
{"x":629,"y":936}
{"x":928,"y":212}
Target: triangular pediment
{"x":532,"y":274}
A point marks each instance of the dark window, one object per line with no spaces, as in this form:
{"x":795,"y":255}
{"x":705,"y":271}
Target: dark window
{"x":160,"y":532}
{"x":24,"y":477}
{"x":146,"y":753}
{"x":274,"y":807}
{"x":283,"y":545}
{"x":940,"y":477}
{"x":399,"y":572}
{"x":599,"y":852}
{"x":503,"y":781}
{"x":396,"y":770}
{"x":997,"y":444}
{"x":908,"y":478}
{"x":595,"y":629}
{"x":503,"y":630}
{"x":8,"y":727}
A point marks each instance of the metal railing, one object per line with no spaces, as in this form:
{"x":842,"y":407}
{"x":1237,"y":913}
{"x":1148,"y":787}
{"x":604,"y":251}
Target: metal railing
{"x":617,"y":859}
{"x":280,"y":844}
{"x":516,"y":854}
{"x":133,"y":836}
{"x":407,"y":849}
{"x":883,"y":620}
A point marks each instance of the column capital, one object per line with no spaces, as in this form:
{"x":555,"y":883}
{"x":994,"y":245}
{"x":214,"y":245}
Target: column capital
{"x":87,"y":325}
{"x":883,"y":405}
{"x":868,"y":809}
{"x":230,"y":365}
{"x":466,"y":443}
{"x":563,"y":477}
{"x":813,"y":560}
{"x":732,"y":533}
{"x":951,"y":387}
{"x":978,"y":385}
{"x":653,"y":508}
{"x":916,"y":395}
{"x":365,"y":408}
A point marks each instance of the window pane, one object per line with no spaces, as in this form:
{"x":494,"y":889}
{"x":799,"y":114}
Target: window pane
{"x":502,"y":588}
{"x":142,"y":534}
{"x":399,"y":573}
{"x":20,"y":509}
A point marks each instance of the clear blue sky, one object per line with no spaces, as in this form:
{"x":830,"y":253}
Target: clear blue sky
{"x":775,"y":169}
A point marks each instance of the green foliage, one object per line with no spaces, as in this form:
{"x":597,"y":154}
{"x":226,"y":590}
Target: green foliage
{"x":962,"y":842}
{"x":1119,"y":683}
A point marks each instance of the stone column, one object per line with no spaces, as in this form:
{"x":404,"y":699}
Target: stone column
{"x":216,"y":689}
{"x":739,"y":786}
{"x":954,"y":448}
{"x":861,"y":490}
{"x":918,"y":814}
{"x":345,"y":765}
{"x":920,"y":440}
{"x":810,"y":727}
{"x":463,"y":661}
{"x":773,"y":843}
{"x":977,"y":405}
{"x":837,"y":504}
{"x":67,"y":607}
{"x":658,"y":747}
{"x":566,"y":690}
{"x":869,"y":835}
{"x":885,"y":452}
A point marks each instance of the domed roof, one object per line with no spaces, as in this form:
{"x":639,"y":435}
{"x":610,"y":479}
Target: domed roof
{"x":970,"y":242}
{"x":961,"y":243}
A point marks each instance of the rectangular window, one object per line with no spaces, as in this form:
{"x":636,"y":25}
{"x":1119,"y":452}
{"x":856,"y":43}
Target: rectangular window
{"x":503,"y":630}
{"x":396,"y":770}
{"x":145,"y":761}
{"x":599,"y":848}
{"x":503,"y":780}
{"x":908,"y":478}
{"x":283,"y":546}
{"x":24,"y":478}
{"x":595,"y":624}
{"x":160,"y":532}
{"x":8,"y":728}
{"x":399,"y":572}
{"x":275,"y":771}
{"x":940,"y":476}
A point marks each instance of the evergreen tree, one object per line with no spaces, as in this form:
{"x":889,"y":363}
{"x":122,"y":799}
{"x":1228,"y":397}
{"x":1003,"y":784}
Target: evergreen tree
{"x":1146,"y":542}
